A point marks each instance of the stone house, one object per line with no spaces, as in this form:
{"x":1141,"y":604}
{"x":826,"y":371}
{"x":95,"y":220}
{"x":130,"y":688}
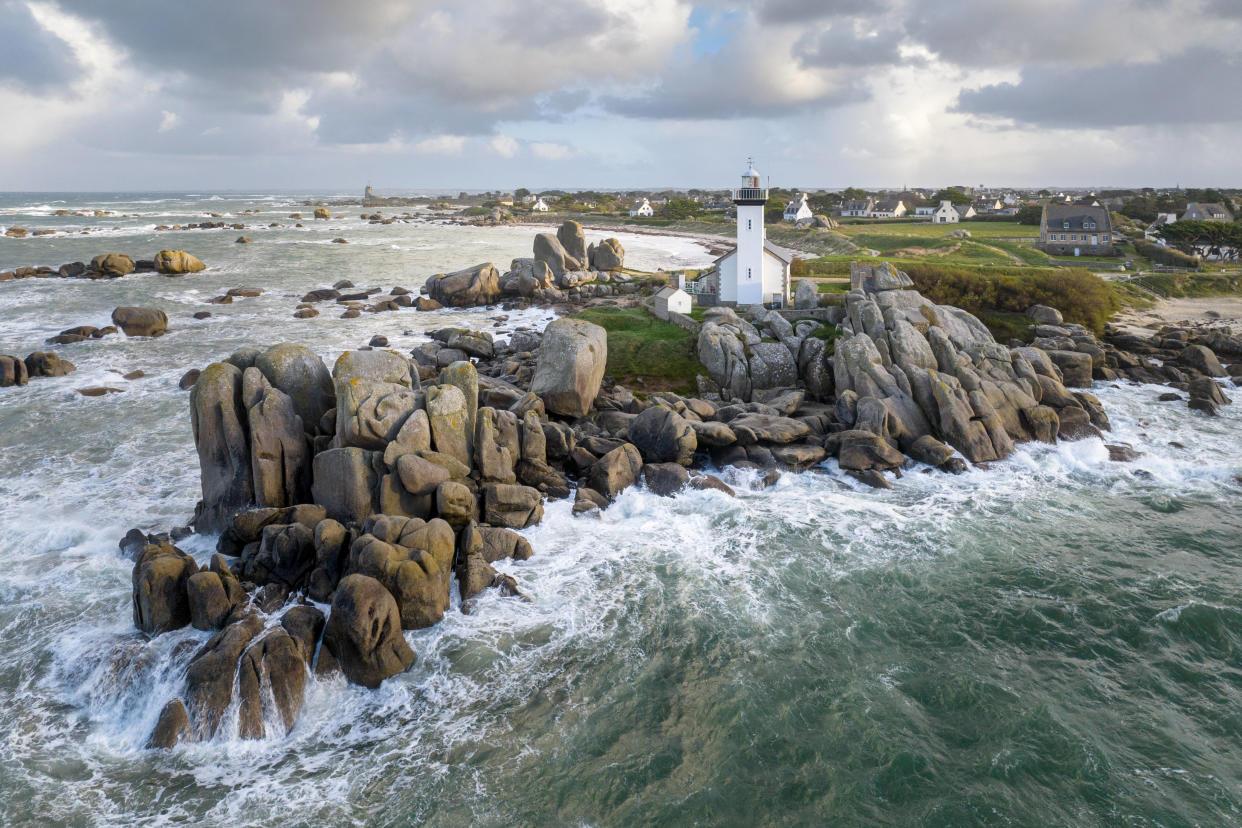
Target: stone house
{"x":1206,"y":211}
{"x":1075,"y":230}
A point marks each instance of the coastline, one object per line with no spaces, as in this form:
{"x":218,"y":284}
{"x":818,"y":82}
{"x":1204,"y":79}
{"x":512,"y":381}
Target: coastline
{"x":1214,"y":311}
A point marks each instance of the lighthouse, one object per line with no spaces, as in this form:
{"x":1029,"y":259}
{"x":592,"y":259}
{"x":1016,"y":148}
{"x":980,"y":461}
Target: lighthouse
{"x":755,"y":272}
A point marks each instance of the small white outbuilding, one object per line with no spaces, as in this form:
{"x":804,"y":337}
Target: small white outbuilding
{"x":672,"y":299}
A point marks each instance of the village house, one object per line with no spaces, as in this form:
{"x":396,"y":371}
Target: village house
{"x":924,"y":211}
{"x":642,"y":208}
{"x":1207,"y":211}
{"x":892,"y":208}
{"x":798,"y":209}
{"x":860,"y":207}
{"x":540,"y":206}
{"x":987,"y":205}
{"x":965,"y":211}
{"x":1075,"y":230}
{"x":945,"y":214}
{"x":1153,"y":229}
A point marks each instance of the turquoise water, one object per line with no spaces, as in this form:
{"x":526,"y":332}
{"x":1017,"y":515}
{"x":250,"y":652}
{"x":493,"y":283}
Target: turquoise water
{"x":1054,"y":641}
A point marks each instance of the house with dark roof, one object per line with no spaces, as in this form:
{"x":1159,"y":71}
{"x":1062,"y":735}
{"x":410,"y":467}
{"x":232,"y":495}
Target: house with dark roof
{"x":1075,"y":230}
{"x":857,"y":207}
{"x":892,"y":208}
{"x":1208,"y":211}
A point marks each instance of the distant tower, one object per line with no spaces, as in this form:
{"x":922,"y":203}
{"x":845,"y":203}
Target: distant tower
{"x":750,"y":199}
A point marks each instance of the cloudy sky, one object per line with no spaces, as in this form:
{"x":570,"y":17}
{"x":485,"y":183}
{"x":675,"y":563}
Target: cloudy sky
{"x":314,"y":94}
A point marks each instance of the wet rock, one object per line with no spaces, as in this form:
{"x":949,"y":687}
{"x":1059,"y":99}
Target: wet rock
{"x":862,"y":450}
{"x":271,"y":669}
{"x":662,"y":435}
{"x":304,"y":624}
{"x":665,"y":479}
{"x":140,"y":321}
{"x":413,"y":560}
{"x":478,"y":285}
{"x":12,"y":371}
{"x":209,"y":602}
{"x":160,"y":599}
{"x":616,"y":471}
{"x":172,"y":727}
{"x":112,"y":265}
{"x":512,"y":506}
{"x":212,"y":672}
{"x":47,"y":364}
{"x":176,"y":262}
{"x":363,"y":632}
{"x":1076,"y":368}
{"x":1202,"y":359}
{"x":1206,"y":396}
{"x":221,"y":436}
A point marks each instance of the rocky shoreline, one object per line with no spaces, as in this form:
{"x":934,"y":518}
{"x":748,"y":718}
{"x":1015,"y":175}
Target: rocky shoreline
{"x":378,"y":486}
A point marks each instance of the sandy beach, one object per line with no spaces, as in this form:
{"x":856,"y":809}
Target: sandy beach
{"x":1212,"y":311}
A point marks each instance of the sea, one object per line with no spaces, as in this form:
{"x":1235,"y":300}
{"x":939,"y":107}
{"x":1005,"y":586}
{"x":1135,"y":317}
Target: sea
{"x":1055,"y":640}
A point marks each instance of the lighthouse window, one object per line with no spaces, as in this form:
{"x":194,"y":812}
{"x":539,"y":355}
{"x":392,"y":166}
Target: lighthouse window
{"x":748,"y":273}
{"x":747,"y":224}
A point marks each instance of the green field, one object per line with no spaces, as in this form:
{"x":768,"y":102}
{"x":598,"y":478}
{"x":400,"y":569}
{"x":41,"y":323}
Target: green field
{"x":977,"y":230}
{"x":645,"y":353}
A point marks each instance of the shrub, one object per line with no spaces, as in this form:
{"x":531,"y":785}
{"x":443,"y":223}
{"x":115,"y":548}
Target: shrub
{"x":1081,"y":296}
{"x":1165,"y":255}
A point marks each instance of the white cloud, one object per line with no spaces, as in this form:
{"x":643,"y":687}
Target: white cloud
{"x":504,"y":146}
{"x":550,"y":151}
{"x":168,"y":120}
{"x":441,"y":145}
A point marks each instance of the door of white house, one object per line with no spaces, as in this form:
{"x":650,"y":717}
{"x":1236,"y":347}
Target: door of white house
{"x":1095,"y":240}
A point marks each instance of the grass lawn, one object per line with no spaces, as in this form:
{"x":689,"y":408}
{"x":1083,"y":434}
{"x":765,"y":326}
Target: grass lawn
{"x":645,"y":353}
{"x":1190,"y":285}
{"x":977,"y":229}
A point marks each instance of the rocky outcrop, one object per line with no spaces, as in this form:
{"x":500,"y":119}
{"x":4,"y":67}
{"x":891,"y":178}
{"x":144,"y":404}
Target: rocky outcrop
{"x":112,"y":265}
{"x":176,"y":263}
{"x":364,"y":632}
{"x":478,"y":285}
{"x":140,"y":321}
{"x":607,"y":256}
{"x":571,"y":363}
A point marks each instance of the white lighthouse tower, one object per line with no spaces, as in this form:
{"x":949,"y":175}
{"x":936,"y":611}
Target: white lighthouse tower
{"x":755,"y":272}
{"x":750,"y":199}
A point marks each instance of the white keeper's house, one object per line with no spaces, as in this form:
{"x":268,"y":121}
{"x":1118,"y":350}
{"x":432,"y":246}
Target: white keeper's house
{"x":755,"y":272}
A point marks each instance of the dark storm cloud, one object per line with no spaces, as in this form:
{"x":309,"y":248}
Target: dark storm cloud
{"x":33,"y":58}
{"x":1191,"y":88}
